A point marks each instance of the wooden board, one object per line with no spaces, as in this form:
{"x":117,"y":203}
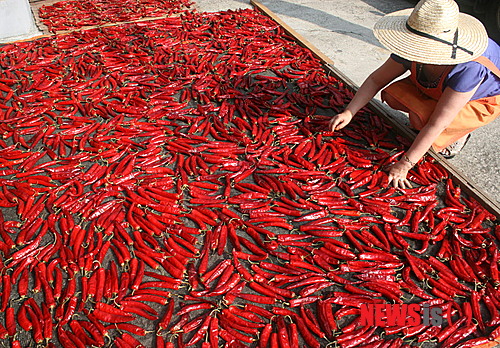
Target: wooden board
{"x":458,"y":178}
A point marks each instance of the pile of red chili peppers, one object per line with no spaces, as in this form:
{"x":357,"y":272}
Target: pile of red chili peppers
{"x":173,"y":184}
{"x":71,"y":14}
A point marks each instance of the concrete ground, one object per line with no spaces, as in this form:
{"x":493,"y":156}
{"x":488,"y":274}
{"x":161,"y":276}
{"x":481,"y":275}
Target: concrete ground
{"x":342,"y":30}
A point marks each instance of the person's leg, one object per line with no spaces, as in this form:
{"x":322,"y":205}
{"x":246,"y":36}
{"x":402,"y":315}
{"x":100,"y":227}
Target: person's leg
{"x":403,"y":95}
{"x":393,"y":102}
{"x":474,"y":114}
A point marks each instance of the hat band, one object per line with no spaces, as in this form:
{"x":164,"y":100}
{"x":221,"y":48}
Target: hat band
{"x":435,"y":38}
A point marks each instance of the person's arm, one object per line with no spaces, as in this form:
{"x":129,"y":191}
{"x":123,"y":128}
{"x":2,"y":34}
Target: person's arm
{"x":447,"y":108}
{"x":372,"y":85}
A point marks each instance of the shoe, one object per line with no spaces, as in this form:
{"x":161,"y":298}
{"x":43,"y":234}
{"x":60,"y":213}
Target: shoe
{"x":452,"y":150}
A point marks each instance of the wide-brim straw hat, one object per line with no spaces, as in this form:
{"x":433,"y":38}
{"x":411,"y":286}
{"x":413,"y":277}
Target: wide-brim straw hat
{"x":434,"y":32}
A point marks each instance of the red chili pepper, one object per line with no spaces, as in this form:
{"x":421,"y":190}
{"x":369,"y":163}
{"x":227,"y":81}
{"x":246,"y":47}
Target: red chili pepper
{"x":459,"y":335}
{"x":10,"y":321}
{"x":202,"y":330}
{"x":6,"y":291}
{"x":306,"y":334}
{"x":265,"y":335}
{"x":237,"y":334}
{"x":78,"y":329}
{"x":167,"y":316}
{"x":258,"y":298}
{"x":117,"y":317}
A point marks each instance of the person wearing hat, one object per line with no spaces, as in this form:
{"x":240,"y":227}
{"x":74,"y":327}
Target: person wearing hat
{"x":454,"y":82}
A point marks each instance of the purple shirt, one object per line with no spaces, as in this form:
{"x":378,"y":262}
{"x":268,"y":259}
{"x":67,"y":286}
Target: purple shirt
{"x":465,"y":76}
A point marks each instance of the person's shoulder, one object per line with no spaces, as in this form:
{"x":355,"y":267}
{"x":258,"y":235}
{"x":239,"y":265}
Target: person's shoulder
{"x":469,"y":68}
{"x":492,"y":50}
{"x":464,"y":76}
{"x":492,"y":44}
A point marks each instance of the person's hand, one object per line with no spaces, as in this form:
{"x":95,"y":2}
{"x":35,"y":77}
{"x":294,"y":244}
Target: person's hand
{"x":341,"y":120}
{"x":397,"y":174}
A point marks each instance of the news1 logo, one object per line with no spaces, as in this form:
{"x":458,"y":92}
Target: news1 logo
{"x":413,"y":314}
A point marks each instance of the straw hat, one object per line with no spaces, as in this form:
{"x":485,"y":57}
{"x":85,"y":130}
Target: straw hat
{"x":434,"y":32}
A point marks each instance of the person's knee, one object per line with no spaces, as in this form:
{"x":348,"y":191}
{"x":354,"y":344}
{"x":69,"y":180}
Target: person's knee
{"x":392,"y":102}
{"x":415,"y":121}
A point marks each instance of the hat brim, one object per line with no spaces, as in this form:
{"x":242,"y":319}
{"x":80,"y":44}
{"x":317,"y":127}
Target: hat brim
{"x":392,"y":32}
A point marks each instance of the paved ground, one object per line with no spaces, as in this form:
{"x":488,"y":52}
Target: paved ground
{"x":342,"y":31}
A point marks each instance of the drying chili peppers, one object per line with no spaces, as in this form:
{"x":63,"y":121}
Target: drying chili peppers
{"x":100,"y":12}
{"x":173,"y":181}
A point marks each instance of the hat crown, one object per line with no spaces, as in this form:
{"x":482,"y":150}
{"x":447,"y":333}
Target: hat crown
{"x":435,"y":17}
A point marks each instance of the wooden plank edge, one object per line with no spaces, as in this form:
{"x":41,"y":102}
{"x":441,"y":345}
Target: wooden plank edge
{"x":301,"y":40}
{"x":467,"y":185}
